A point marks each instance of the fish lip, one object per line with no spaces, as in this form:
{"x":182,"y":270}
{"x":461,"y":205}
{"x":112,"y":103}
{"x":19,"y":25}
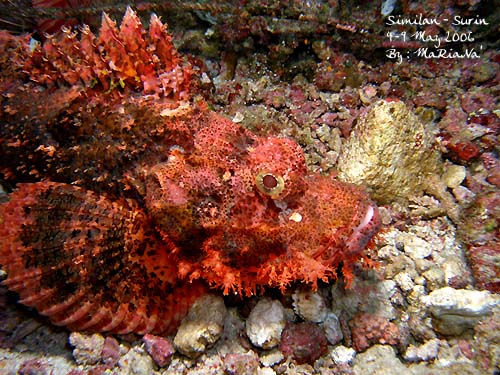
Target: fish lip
{"x":364,"y":231}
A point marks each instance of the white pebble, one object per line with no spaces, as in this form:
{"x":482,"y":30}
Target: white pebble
{"x":202,"y":327}
{"x":454,"y":176}
{"x":426,"y":352}
{"x":265,"y":323}
{"x":341,"y":354}
{"x":416,"y":247}
{"x":309,"y":305}
{"x":462,"y":302}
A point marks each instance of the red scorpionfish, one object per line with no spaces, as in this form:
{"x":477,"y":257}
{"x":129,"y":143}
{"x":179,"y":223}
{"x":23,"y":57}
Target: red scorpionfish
{"x":132,"y":199}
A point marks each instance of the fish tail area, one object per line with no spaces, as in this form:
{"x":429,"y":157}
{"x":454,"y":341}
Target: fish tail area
{"x":90,"y":263}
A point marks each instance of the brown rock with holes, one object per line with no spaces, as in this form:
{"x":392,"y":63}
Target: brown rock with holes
{"x":303,"y":342}
{"x":368,"y":329}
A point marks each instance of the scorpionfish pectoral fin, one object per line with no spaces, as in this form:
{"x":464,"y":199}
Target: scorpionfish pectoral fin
{"x":90,"y":263}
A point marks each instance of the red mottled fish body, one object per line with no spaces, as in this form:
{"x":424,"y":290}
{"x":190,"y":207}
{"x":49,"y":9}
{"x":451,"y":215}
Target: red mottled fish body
{"x":132,"y":198}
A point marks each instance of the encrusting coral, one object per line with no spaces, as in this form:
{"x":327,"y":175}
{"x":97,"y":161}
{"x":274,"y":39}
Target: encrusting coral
{"x":390,"y":152}
{"x":132,"y":196}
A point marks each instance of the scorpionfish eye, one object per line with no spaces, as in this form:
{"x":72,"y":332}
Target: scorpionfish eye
{"x":278,"y":168}
{"x":271,"y":184}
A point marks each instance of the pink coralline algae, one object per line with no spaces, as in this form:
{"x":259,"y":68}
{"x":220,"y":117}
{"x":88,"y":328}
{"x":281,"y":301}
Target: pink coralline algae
{"x":110,"y":351}
{"x":481,"y":234}
{"x":34,"y":367}
{"x":133,"y":198}
{"x":464,"y":150}
{"x":492,"y":165}
{"x":240,"y":364}
{"x":368,"y":329}
{"x":159,"y":348}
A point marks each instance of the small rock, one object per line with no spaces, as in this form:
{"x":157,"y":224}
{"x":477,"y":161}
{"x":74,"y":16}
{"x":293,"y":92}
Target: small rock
{"x":342,"y":355}
{"x":388,"y":252}
{"x":454,"y":176}
{"x":487,"y":343}
{"x":421,"y":266}
{"x":416,"y":247}
{"x":464,"y":150}
{"x":323,"y":133}
{"x":370,"y":329}
{"x":434,"y":278}
{"x":111,"y":351}
{"x":405,"y":282}
{"x":231,"y":340}
{"x":266,"y":371}
{"x":380,"y":360}
{"x":34,"y":367}
{"x":367,"y":93}
{"x":425,"y":352}
{"x":416,"y":294}
{"x":21,"y":329}
{"x":456,"y":310}
{"x":479,"y":231}
{"x":88,"y":348}
{"x":420,"y":280}
{"x":266,"y":323}
{"x":463,"y":195}
{"x":238,"y":117}
{"x":77,"y":372}
{"x":365,"y":295}
{"x":309,"y":305}
{"x":271,"y":358}
{"x":461,"y":302}
{"x":241,"y":364}
{"x":202,"y":327}
{"x":484,"y":71}
{"x":304,"y":342}
{"x":332,"y":328}
{"x":456,"y":272}
{"x":159,"y":348}
{"x":136,"y":362}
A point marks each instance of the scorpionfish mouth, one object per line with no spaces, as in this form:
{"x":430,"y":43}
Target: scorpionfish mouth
{"x":369,"y":224}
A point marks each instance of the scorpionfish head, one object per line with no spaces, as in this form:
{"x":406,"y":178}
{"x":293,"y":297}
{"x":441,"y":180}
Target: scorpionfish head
{"x":244,"y":212}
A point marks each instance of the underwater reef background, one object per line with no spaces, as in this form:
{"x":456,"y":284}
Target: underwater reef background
{"x":399,"y":97}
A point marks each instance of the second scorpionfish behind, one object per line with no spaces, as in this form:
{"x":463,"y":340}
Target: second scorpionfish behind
{"x":131,"y":199}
